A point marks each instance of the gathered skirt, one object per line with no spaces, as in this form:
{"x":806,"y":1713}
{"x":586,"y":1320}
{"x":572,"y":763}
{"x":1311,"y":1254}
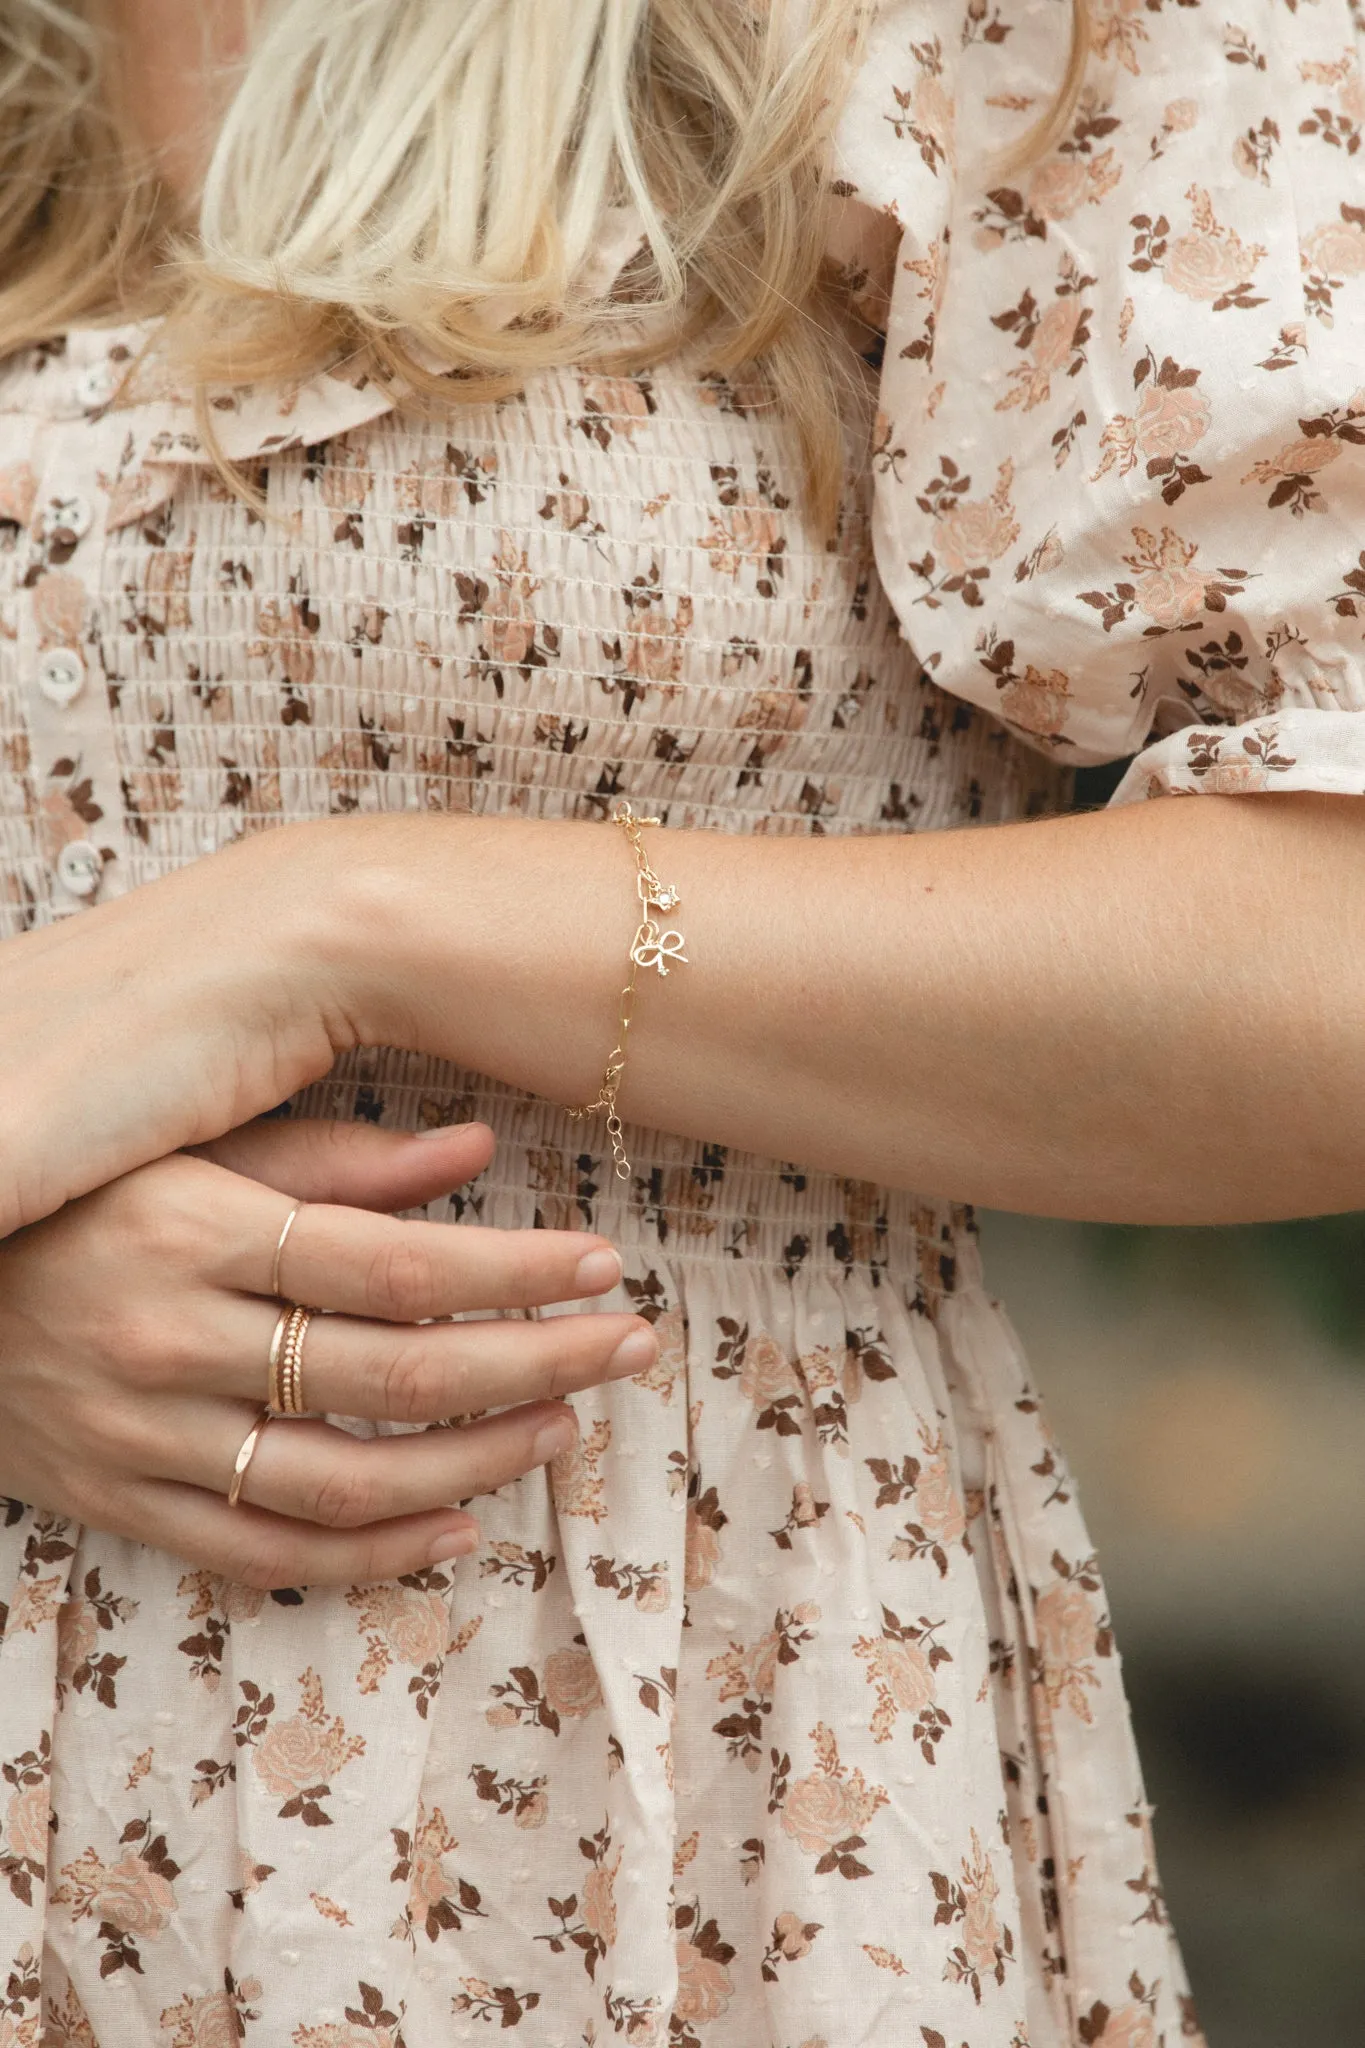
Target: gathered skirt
{"x":783,"y":1711}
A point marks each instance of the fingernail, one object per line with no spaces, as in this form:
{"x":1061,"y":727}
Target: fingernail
{"x":598,"y":1271}
{"x":633,"y":1354}
{"x":551,"y":1439}
{"x":455,"y":1543}
{"x":440,"y":1130}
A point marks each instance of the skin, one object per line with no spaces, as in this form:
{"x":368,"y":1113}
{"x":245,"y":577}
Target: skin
{"x":1147,"y":1015}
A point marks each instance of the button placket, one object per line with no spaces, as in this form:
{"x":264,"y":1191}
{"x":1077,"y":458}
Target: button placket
{"x":71,"y":730}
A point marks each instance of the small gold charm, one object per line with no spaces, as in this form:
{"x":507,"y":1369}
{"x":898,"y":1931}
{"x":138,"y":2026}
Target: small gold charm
{"x":665,"y":899}
{"x":655,"y":946}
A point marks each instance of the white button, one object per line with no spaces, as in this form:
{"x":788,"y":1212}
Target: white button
{"x":94,"y":386}
{"x":71,"y":515}
{"x":61,"y":675}
{"x":79,"y":867}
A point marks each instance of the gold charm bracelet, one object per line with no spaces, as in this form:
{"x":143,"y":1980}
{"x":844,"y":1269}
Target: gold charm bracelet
{"x":651,"y":947}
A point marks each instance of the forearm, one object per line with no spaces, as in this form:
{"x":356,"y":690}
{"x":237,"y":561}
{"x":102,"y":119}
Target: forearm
{"x":1150,"y":1015}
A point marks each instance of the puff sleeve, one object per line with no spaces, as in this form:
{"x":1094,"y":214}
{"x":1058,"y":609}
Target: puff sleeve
{"x":1120,"y":452}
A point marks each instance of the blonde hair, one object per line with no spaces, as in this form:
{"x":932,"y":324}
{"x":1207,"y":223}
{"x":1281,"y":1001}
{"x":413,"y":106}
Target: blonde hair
{"x":399,"y":180}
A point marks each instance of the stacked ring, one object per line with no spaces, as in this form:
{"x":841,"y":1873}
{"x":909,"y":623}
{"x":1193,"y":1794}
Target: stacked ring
{"x":286,"y":1360}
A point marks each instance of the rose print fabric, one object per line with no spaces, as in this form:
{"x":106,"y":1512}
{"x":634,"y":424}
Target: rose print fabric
{"x":1121,"y":452}
{"x":786,"y":1710}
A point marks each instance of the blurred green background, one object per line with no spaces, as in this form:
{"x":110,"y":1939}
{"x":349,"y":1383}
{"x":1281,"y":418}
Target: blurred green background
{"x":1208,"y":1387}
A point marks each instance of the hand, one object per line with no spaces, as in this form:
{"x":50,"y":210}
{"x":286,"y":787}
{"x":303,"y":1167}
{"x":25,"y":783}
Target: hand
{"x":135,"y":1329}
{"x":168,"y":1016}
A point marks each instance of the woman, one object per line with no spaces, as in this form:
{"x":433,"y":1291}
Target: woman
{"x":493,"y":467}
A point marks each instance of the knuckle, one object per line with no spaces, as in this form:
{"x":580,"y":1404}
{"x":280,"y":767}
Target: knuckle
{"x":408,"y":1384}
{"x":345,"y":1498}
{"x":401,"y":1281}
{"x":134,"y":1342}
{"x":265,"y":1566}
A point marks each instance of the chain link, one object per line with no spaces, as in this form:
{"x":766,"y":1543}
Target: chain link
{"x":651,"y":946}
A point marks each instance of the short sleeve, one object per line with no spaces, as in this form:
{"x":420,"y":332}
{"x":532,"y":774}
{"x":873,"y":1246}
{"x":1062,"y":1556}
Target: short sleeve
{"x":1120,"y":450}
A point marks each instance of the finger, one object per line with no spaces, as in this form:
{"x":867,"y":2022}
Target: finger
{"x":312,"y":1472}
{"x":314,"y":1160}
{"x":427,"y":1372}
{"x":402,"y":1272}
{"x":256,"y":1548}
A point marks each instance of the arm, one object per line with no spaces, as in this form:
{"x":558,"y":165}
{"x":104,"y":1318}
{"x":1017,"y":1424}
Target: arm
{"x":1154,"y":1014}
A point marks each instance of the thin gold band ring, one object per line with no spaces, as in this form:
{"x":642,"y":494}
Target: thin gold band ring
{"x":279,"y":1248}
{"x":245,"y":1456}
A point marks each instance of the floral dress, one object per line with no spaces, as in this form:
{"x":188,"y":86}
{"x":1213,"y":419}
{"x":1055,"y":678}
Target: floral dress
{"x":784,"y":1710}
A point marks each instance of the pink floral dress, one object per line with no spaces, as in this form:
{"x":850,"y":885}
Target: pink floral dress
{"x":784,"y":1712}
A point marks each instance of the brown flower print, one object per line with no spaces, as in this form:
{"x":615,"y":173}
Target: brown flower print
{"x":24,"y":1824}
{"x":705,"y":1520}
{"x":1209,"y":262}
{"x":577,"y":1484}
{"x":296,"y":1759}
{"x":985,"y":1947}
{"x":131,"y":1900}
{"x":767,"y":1373}
{"x":571,"y":1690}
{"x":1071,"y":1636}
{"x":1062,"y":185}
{"x":1167,"y":587}
{"x":615,"y":405}
{"x":901,"y":1663}
{"x":525,"y":1799}
{"x":647,"y":1585}
{"x":977,"y":531}
{"x":370,"y":2024}
{"x":587,"y":1920}
{"x":81,"y":1621}
{"x":826,"y":1811}
{"x":1172,"y":417}
{"x":805,"y":1512}
{"x":571,"y":1682}
{"x":1132,"y":2026}
{"x":213,"y":2019}
{"x":408,"y":1623}
{"x":705,"y":1986}
{"x":437,"y":1902}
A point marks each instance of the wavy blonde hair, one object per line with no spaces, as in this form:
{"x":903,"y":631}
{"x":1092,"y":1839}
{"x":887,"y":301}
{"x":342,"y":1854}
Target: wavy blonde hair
{"x":397,"y":180}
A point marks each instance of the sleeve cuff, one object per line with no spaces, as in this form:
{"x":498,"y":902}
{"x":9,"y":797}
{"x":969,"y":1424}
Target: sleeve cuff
{"x":1288,"y":750}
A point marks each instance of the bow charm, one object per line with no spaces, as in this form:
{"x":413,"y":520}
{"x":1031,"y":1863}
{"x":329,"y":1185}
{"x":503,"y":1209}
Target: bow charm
{"x":654,"y":948}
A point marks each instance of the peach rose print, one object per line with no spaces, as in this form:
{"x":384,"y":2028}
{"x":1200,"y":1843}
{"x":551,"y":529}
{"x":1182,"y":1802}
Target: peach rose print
{"x":767,"y":1374}
{"x":218,"y":2019}
{"x":1209,"y":262}
{"x":826,"y":1811}
{"x":25,"y":1830}
{"x":408,"y":1625}
{"x":574,"y":1476}
{"x":705,"y":1986}
{"x":977,"y":531}
{"x":1169,"y":589}
{"x":297,"y":1759}
{"x":1337,"y":249}
{"x":571,"y":1683}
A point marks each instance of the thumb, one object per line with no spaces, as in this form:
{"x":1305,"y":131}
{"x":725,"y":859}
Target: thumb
{"x":354,"y":1164}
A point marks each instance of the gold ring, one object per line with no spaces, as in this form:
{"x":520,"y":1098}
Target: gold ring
{"x":287,"y":1371}
{"x":274,"y":1389}
{"x":279,"y":1248}
{"x":245,"y":1455}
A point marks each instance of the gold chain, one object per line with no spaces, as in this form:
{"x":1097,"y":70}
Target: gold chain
{"x":651,"y":947}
